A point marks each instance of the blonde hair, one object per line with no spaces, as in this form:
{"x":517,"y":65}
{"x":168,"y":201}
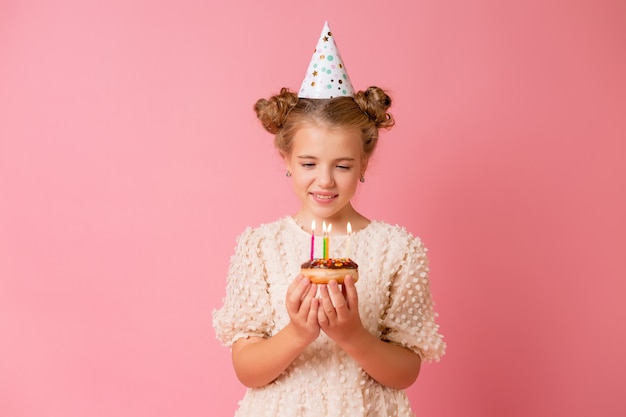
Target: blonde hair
{"x":284,"y":113}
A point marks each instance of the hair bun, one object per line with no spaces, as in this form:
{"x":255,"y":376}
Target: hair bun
{"x":375,"y":102}
{"x":273,"y":112}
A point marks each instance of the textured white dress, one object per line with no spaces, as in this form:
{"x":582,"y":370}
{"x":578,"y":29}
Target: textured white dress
{"x":394,"y":304}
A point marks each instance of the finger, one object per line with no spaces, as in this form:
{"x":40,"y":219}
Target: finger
{"x":296,"y":291}
{"x":322,"y":319}
{"x":313,"y":311}
{"x":310,"y":289}
{"x":337,"y":298}
{"x":308,"y":297}
{"x":350,"y":292}
{"x":298,"y":285}
{"x":327,"y":304}
{"x":305,"y":303}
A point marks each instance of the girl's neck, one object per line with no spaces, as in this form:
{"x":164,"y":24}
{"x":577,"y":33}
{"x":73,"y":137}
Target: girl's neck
{"x":339,"y":222}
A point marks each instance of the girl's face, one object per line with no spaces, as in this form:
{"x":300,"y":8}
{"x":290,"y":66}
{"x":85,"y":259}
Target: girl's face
{"x":326,"y":165}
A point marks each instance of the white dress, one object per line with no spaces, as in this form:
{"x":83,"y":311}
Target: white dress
{"x":394,"y":304}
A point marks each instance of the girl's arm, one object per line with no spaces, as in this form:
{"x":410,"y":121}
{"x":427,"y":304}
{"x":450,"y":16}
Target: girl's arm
{"x":338,"y":315}
{"x":258,"y":361}
{"x":391,"y":365}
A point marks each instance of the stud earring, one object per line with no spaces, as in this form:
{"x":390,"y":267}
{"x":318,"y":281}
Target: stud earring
{"x":362,"y":179}
{"x":288,"y":174}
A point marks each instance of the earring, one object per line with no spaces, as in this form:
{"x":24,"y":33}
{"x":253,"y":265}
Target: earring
{"x":362,"y":179}
{"x":288,"y":174}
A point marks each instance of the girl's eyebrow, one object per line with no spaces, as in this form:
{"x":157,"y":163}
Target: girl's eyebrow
{"x":344,"y":158}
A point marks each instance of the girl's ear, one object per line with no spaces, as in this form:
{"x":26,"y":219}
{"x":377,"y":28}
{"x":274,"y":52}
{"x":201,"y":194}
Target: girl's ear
{"x":287,"y":163}
{"x":364,"y":167}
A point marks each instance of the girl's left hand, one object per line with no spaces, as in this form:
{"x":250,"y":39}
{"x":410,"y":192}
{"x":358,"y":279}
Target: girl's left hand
{"x":338,"y":314}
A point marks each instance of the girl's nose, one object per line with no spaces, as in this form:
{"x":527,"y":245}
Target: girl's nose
{"x":325,"y":179}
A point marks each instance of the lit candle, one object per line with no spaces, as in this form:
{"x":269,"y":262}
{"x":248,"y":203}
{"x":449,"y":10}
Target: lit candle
{"x":330,"y":226}
{"x":324,"y":241}
{"x":312,"y":239}
{"x":349,"y":227}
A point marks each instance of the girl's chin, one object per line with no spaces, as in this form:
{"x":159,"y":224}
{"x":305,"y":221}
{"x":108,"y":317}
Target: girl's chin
{"x":325,"y":212}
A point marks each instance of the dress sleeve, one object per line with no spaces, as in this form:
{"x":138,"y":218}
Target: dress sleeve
{"x":410,"y":318}
{"x":246,"y":306}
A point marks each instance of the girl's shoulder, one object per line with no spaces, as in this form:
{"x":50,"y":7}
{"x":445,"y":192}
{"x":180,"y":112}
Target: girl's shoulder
{"x":396,"y":240}
{"x":394,"y":244}
{"x":391,"y":232}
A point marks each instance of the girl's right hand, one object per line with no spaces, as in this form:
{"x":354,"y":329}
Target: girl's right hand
{"x":302,"y":307}
{"x":260,"y":360}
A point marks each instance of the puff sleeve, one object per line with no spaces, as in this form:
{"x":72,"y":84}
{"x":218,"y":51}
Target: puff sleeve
{"x":409,"y":320}
{"x":246,"y":309}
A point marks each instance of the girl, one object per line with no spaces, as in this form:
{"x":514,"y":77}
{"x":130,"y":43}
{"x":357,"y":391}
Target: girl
{"x":306,"y":350}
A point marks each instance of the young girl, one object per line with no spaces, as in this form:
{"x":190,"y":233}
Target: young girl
{"x":327,"y":350}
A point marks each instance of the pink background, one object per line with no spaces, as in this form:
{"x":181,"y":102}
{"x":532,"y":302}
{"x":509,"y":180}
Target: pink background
{"x":130,"y":160}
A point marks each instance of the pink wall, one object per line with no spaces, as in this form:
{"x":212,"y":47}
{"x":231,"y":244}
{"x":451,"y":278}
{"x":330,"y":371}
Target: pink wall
{"x":130,"y":160}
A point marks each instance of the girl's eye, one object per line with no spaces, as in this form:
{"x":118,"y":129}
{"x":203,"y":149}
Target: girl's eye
{"x":307,"y":165}
{"x":343,"y":167}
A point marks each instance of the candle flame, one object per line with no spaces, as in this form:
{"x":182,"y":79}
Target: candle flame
{"x":349,"y":227}
{"x":313,"y":226}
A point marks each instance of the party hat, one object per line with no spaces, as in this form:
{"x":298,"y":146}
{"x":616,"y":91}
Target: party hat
{"x":326,"y":76}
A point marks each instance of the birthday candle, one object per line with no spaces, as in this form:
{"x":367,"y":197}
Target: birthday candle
{"x":312,"y":239}
{"x":330,"y":226}
{"x":324,"y":241}
{"x":349,"y":227}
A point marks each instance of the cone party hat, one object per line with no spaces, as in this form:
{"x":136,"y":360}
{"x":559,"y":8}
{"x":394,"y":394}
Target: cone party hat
{"x":326,"y":76}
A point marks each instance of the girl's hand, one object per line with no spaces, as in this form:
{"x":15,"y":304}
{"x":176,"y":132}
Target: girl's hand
{"x":338,"y":314}
{"x":302,"y":307}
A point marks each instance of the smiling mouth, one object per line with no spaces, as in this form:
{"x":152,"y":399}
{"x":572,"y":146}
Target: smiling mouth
{"x":324,"y":196}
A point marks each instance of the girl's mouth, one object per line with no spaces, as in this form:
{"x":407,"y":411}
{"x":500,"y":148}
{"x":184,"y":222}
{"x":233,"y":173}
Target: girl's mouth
{"x":323,"y":198}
